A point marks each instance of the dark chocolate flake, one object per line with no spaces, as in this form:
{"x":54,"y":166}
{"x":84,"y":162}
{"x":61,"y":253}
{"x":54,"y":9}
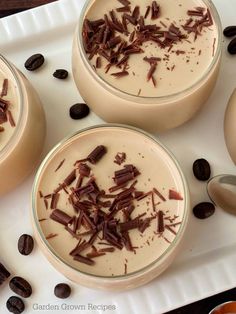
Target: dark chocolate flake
{"x":97,"y":154}
{"x":61,"y":217}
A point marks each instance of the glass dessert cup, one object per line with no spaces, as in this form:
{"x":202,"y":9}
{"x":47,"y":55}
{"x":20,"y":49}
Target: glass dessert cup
{"x":149,"y":113}
{"x":63,"y":264}
{"x":20,"y":155}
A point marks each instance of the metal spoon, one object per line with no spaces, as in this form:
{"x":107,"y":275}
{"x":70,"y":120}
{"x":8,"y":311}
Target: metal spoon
{"x":222,"y":191}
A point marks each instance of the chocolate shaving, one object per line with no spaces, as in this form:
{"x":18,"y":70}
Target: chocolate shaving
{"x":60,"y":217}
{"x":98,"y":63}
{"x":159,"y":194}
{"x":70,"y":178}
{"x":136,"y":13}
{"x":94,"y":254}
{"x":60,"y":165}
{"x":120,"y":158}
{"x":54,"y":200}
{"x":147,"y":11}
{"x":51,"y":235}
{"x":97,"y":154}
{"x":123,"y":9}
{"x":160,"y":222}
{"x":120,"y":74}
{"x":11,"y":119}
{"x":106,"y":249}
{"x":168,"y":227}
{"x":46,"y":203}
{"x":84,"y":170}
{"x":124,"y":2}
{"x":174,"y":195}
{"x":84,"y":260}
{"x":151,"y":71}
{"x":3,"y":117}
{"x":155,"y":10}
{"x":4,"y":88}
{"x":128,"y":225}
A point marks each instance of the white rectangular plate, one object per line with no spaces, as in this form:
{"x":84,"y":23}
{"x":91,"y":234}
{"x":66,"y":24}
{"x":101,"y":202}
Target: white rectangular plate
{"x":206,"y":264}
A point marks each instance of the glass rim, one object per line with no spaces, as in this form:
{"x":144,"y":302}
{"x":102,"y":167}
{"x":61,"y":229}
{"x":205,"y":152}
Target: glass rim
{"x":148,"y":267}
{"x":155,"y":101}
{"x":7,"y":149}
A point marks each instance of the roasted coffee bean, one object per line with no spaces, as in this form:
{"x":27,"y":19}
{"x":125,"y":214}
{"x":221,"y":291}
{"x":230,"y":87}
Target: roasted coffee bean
{"x":34,"y":62}
{"x":4,"y":274}
{"x":21,"y":287}
{"x":62,"y":291}
{"x":60,"y":74}
{"x":25,"y":244}
{"x":202,"y":169}
{"x":79,"y":111}
{"x":204,"y":210}
{"x":232,"y":47}
{"x":15,"y":305}
{"x":230,"y":31}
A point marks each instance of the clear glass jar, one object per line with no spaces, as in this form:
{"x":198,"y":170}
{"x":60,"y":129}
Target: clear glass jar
{"x":20,"y":154}
{"x":149,"y":113}
{"x":52,"y":252}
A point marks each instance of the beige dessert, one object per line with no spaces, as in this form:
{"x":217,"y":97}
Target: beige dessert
{"x":181,"y":61}
{"x":22,"y":127}
{"x":9,"y":107}
{"x":131,"y":217}
{"x":160,"y":57}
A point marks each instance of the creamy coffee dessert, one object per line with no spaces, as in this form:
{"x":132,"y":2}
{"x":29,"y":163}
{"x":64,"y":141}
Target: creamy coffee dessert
{"x":22,"y":127}
{"x":151,"y":64}
{"x":150,"y":48}
{"x":9,"y":106}
{"x":110,"y":207}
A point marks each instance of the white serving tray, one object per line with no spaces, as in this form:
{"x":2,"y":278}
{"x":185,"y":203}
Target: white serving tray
{"x":206,"y":264}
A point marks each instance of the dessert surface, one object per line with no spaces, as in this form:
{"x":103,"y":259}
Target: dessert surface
{"x":141,"y":215}
{"x":149,"y":49}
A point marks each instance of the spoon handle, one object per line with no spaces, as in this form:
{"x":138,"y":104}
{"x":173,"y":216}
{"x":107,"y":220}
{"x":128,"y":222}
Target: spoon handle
{"x":230,"y":126}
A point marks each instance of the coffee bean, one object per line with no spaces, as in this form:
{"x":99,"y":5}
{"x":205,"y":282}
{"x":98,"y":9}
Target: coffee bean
{"x":204,"y":210}
{"x":21,"y":287}
{"x":202,"y":169}
{"x":60,"y":74}
{"x":79,"y":111}
{"x":34,"y":62}
{"x":62,"y":291}
{"x":232,"y":47}
{"x":25,"y":244}
{"x":230,"y":31}
{"x":4,"y":274}
{"x":15,"y":305}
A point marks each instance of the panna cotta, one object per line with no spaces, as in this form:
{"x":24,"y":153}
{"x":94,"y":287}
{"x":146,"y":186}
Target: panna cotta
{"x":160,"y":57}
{"x":110,"y":209}
{"x":9,"y":106}
{"x":22,"y":127}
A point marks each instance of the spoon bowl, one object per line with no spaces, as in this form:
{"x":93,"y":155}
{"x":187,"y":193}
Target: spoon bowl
{"x":222,"y":191}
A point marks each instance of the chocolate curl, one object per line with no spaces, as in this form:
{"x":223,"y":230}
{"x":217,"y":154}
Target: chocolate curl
{"x":60,"y":217}
{"x":97,"y":154}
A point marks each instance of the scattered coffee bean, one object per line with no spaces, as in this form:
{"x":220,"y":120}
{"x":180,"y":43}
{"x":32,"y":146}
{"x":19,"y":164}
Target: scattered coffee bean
{"x":15,"y":305}
{"x":21,"y":287}
{"x":202,"y":169}
{"x":25,"y":244}
{"x":60,"y":74}
{"x":4,"y":274}
{"x":230,"y":31}
{"x":204,"y":210}
{"x":62,"y":291}
{"x":232,"y":47}
{"x":34,"y":62}
{"x":79,"y":111}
